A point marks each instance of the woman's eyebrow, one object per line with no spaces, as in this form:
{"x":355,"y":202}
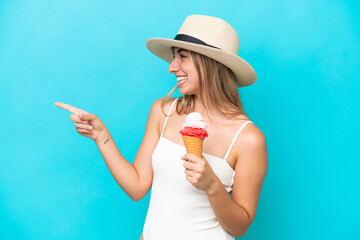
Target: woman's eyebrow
{"x":180,"y":50}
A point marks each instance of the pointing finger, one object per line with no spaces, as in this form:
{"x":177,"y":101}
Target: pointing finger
{"x":69,"y":108}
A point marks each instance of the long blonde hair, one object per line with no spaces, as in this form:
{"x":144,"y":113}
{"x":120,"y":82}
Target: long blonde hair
{"x":217,"y":85}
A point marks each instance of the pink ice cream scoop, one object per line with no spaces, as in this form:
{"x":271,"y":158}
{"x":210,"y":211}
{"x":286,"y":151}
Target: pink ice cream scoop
{"x":194,"y":126}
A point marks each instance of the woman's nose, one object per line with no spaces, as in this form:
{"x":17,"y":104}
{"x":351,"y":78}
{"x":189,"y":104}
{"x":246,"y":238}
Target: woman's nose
{"x":174,"y":66}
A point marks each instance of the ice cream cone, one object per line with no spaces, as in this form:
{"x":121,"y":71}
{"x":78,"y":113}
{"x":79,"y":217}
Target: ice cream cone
{"x":193,"y":145}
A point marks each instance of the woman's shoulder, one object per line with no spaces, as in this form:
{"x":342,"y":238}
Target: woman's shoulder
{"x":249,"y":132}
{"x":250,"y":139}
{"x":250,"y":128}
{"x":160,"y":109}
{"x":162,"y":105}
{"x":251,"y":135}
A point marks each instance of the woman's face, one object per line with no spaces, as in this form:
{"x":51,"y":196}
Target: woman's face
{"x":185,"y":72}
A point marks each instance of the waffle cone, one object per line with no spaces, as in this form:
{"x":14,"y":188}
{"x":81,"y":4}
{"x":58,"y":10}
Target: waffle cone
{"x":193,"y":145}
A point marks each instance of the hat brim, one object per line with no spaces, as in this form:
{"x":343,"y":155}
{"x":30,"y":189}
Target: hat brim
{"x":244,"y":73}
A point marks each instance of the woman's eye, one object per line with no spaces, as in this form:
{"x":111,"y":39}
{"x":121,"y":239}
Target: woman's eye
{"x":181,"y":56}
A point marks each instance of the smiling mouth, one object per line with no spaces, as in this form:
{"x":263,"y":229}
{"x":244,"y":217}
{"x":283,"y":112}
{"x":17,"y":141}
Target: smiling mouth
{"x":181,"y":79}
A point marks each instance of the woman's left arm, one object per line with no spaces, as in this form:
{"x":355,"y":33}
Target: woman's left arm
{"x":235,"y":214}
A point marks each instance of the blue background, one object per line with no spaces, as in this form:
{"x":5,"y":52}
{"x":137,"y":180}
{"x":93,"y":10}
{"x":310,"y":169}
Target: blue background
{"x":54,"y":183}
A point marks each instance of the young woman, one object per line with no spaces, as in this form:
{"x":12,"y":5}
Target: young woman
{"x":214,"y":196}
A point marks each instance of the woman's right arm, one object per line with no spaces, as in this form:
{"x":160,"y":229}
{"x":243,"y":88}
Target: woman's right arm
{"x":135,"y":179}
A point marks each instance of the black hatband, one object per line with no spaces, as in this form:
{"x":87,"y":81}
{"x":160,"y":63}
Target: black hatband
{"x":190,"y":39}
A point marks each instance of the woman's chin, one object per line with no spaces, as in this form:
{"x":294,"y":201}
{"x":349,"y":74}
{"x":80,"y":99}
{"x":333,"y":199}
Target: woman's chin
{"x":183,"y":92}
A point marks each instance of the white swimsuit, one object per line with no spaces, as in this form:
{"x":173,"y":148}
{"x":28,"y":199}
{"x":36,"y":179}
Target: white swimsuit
{"x":178,"y":210}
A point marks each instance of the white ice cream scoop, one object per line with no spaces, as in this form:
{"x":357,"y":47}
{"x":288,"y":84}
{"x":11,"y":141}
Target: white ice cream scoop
{"x":194,"y":120}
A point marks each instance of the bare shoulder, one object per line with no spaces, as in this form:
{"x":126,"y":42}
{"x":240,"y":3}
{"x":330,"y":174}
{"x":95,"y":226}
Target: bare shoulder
{"x":252,"y":143}
{"x":252,"y":135}
{"x":159,"y":112}
{"x":156,"y":106}
{"x":251,"y":147}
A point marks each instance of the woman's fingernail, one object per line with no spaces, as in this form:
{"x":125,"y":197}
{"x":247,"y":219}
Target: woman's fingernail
{"x":90,"y":127}
{"x":83,"y":121}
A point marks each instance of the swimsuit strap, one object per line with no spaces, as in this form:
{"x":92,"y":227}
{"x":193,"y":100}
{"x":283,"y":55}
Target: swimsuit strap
{"x":231,"y":145}
{"x":172,"y":105}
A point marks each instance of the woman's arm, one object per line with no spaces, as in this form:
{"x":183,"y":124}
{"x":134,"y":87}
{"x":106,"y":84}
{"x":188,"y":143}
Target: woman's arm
{"x":135,"y":179}
{"x":236,"y":214}
{"x":122,"y":171}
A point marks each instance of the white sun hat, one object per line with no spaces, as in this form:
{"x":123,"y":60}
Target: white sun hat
{"x":209,"y":36}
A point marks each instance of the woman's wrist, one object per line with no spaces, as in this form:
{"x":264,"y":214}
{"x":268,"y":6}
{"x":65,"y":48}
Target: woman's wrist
{"x":214,"y":187}
{"x":103,"y":138}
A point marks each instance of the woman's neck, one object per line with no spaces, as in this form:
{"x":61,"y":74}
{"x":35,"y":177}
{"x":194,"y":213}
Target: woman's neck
{"x":210,"y":109}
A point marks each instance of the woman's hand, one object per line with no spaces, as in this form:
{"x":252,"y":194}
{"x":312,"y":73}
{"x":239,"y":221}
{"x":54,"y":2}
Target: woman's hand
{"x":86,"y":124}
{"x":198,"y":172}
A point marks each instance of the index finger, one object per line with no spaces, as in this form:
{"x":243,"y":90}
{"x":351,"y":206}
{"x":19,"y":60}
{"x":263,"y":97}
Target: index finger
{"x":70,"y":108}
{"x":191,"y":157}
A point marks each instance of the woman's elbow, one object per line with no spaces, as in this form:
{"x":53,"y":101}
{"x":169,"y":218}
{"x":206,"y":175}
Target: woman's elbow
{"x":239,"y":234}
{"x":137,"y":197}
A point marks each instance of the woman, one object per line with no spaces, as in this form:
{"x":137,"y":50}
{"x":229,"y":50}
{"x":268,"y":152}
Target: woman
{"x":207,"y":197}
